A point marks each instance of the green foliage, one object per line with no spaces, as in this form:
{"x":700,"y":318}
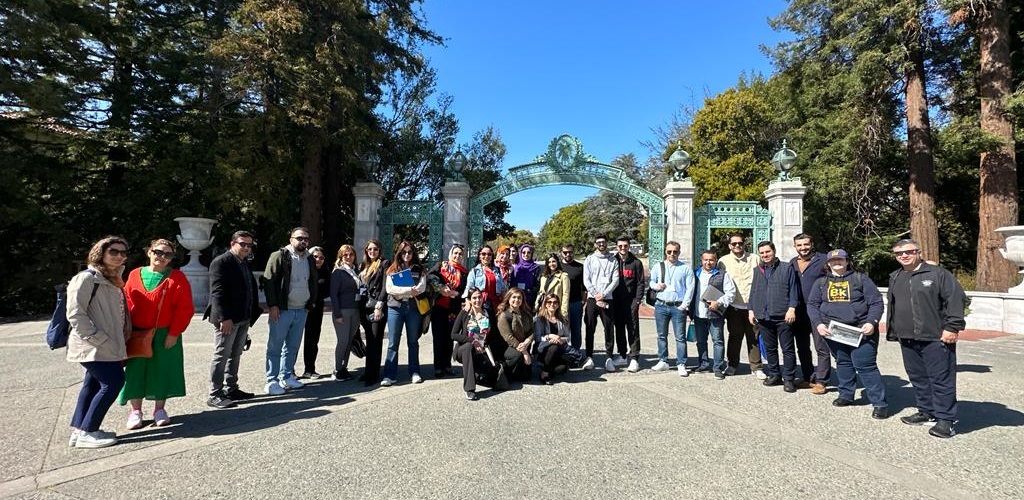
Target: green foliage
{"x":566,"y":227}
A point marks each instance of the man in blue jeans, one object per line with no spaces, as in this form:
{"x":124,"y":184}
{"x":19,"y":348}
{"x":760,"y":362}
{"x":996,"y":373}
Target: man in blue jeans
{"x":673,"y":280}
{"x":713,"y":293}
{"x":290,"y":287}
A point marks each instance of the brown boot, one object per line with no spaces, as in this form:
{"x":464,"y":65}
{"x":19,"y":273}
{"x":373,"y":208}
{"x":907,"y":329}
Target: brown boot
{"x":818,"y":388}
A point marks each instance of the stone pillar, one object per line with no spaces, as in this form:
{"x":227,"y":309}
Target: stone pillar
{"x":369,"y":198}
{"x":456,"y":216}
{"x":679,"y":197}
{"x":786,"y":203}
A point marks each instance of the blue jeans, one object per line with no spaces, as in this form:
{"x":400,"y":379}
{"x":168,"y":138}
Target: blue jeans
{"x":283,"y":343}
{"x":408,"y":315}
{"x":103,"y":380}
{"x":861,"y":360}
{"x":702,"y":328}
{"x":662,"y":314}
{"x":576,"y":324}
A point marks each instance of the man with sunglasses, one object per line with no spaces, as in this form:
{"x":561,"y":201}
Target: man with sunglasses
{"x":674,"y":281}
{"x":628,"y":295}
{"x":290,"y":288}
{"x":600,"y":277}
{"x":574,"y":270}
{"x":739,"y":265}
{"x":926,"y":315}
{"x":234,"y":306}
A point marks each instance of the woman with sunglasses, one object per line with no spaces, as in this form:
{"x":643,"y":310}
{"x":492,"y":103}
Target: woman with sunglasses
{"x":403,"y":311}
{"x":515,"y":324}
{"x":551,"y":333}
{"x":554,"y":280}
{"x":315,"y":318}
{"x":371,"y":272}
{"x":449,"y":278}
{"x":471,"y":330}
{"x":98,"y":317}
{"x":487,"y":277}
{"x":346,"y":287}
{"x":152,"y":289}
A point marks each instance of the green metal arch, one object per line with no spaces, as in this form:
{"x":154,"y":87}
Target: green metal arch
{"x":566,"y":164}
{"x":730,"y":215}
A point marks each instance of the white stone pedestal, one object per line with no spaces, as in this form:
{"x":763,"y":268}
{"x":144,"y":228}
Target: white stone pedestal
{"x":369,"y":197}
{"x":786,"y":203}
{"x":195,"y":236}
{"x":679,"y":197}
{"x":1014,"y":251}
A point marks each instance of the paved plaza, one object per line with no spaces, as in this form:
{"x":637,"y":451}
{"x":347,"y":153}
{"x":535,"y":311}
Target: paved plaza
{"x":595,"y":435}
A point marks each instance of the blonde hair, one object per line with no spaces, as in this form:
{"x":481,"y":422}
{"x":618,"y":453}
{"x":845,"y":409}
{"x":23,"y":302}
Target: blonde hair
{"x":341,"y":251}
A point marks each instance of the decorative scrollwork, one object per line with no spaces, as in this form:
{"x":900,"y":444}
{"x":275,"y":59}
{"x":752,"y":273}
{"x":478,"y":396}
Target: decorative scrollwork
{"x":428,"y":213}
{"x":730,"y":214}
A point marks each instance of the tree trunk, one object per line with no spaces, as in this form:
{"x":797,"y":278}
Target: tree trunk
{"x":311,"y":214}
{"x":923,"y":227}
{"x":997,"y":202}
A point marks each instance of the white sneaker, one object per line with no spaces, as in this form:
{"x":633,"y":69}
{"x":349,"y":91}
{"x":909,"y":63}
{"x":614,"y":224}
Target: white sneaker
{"x":96,"y":439}
{"x":633,"y":366}
{"x":416,"y":378}
{"x":274,"y":388}
{"x":760,"y":374}
{"x":730,"y":371}
{"x":609,"y":365}
{"x":134,"y":420}
{"x":660,"y":367}
{"x":386,"y":382}
{"x":619,"y":361}
{"x":291,"y":383}
{"x":160,"y":418}
{"x":74,"y":437}
{"x":588,"y":364}
{"x":682,"y":371}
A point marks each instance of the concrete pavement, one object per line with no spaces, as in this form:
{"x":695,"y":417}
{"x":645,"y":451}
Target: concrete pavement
{"x":643,"y":435}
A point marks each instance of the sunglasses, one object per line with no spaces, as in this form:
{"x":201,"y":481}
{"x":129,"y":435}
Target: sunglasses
{"x":117,"y":253}
{"x":300,"y":238}
{"x":901,"y":253}
{"x":551,"y":302}
{"x":569,"y":252}
{"x":245,"y":245}
{"x":672,"y":252}
{"x":735,"y":243}
{"x":162,"y":254}
{"x":322,"y":257}
{"x":486,"y":254}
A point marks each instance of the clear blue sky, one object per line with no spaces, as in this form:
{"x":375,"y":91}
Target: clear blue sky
{"x":604,"y":71}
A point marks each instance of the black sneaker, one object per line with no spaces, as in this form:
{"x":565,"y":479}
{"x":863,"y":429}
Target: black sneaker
{"x":219,"y":402}
{"x":719,"y":375}
{"x":342,"y":375}
{"x":238,"y":395}
{"x":917,"y":418}
{"x":841,"y":402}
{"x":942,"y":429}
{"x":773,"y":380}
{"x":789,"y":386}
{"x":471,"y":395}
{"x":880,"y":413}
{"x":703,"y":369}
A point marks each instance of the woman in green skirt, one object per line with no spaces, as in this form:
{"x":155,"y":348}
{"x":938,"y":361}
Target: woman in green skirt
{"x":158,"y":296}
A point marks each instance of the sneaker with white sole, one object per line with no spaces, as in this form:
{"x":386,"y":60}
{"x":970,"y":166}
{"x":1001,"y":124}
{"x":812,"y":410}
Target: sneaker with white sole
{"x":291,"y":383}
{"x":95,"y":439}
{"x":609,"y":365}
{"x":588,"y":364}
{"x":134,"y":420}
{"x":386,"y":382}
{"x":74,"y":437}
{"x":160,"y":417}
{"x":619,"y":361}
{"x":682,"y":371}
{"x":730,"y":371}
{"x":633,"y":367}
{"x":274,"y":388}
{"x":416,"y":378}
{"x":660,"y":367}
{"x":760,"y":374}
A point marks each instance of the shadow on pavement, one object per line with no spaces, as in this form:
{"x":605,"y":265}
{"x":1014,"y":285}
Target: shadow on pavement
{"x":982,"y":414}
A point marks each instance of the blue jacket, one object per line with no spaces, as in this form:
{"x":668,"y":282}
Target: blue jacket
{"x":774,"y":290}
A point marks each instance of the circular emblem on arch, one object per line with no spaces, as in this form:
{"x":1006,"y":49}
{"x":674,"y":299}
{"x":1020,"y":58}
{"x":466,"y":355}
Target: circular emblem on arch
{"x":565,"y":152}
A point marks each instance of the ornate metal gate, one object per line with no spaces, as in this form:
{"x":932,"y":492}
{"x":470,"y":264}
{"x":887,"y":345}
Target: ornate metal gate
{"x":428,"y":213}
{"x":730,"y":215}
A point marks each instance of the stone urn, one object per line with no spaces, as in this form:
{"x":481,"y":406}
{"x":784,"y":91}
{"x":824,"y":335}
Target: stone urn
{"x":195,"y":236}
{"x":1014,"y":251}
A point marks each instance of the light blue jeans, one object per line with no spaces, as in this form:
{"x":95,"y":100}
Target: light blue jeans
{"x":702,"y":327}
{"x":662,"y":315}
{"x":407,"y":315}
{"x":283,"y":343}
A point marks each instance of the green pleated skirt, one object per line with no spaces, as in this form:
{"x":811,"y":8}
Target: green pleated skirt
{"x":159,"y":377}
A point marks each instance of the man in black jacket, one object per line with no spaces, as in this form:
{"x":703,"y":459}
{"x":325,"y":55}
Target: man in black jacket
{"x":627,"y":297}
{"x":926,"y":314}
{"x":774,"y":297}
{"x":233,"y":307}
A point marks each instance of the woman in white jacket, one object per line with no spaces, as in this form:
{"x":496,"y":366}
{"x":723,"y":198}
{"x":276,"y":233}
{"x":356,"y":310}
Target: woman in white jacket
{"x":405,"y":281}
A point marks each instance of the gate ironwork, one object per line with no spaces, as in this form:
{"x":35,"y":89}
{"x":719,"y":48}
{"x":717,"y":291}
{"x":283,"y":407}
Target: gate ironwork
{"x":730,"y":215}
{"x":417,"y":212}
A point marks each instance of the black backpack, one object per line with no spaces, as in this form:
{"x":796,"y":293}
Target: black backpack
{"x":60,"y":328}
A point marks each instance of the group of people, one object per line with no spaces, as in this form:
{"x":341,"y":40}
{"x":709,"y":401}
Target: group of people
{"x":508,"y":314}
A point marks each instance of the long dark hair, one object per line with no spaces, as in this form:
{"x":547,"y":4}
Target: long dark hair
{"x":397,"y":263}
{"x":547,"y":270}
{"x":95,"y":259}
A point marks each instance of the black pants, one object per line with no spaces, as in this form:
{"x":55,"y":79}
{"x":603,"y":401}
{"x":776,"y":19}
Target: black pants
{"x":627,"y":326}
{"x":311,"y":336}
{"x":515,"y":366}
{"x":374,"y":331}
{"x":776,"y":334}
{"x":441,"y":330}
{"x":803,"y":334}
{"x":551,"y":358}
{"x":472,"y":363}
{"x":931,"y":368}
{"x":593,"y":312}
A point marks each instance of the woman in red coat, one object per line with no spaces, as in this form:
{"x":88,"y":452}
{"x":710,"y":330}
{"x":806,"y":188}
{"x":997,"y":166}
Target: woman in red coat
{"x":163,"y":375}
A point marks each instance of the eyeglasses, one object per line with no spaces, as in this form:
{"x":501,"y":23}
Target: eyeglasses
{"x":671,"y":252}
{"x":162,"y":254}
{"x":901,"y":253}
{"x":117,"y":253}
{"x":600,"y":242}
{"x":300,"y":238}
{"x":622,"y":246}
{"x":735,"y":243}
{"x":245,"y":245}
{"x":322,"y":257}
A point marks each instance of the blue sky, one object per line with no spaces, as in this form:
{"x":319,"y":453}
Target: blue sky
{"x":604,"y":71}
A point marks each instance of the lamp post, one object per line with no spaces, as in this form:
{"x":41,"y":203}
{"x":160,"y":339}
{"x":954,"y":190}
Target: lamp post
{"x":456,"y":165}
{"x":783,"y":161}
{"x":370,"y":165}
{"x":679,"y":161}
